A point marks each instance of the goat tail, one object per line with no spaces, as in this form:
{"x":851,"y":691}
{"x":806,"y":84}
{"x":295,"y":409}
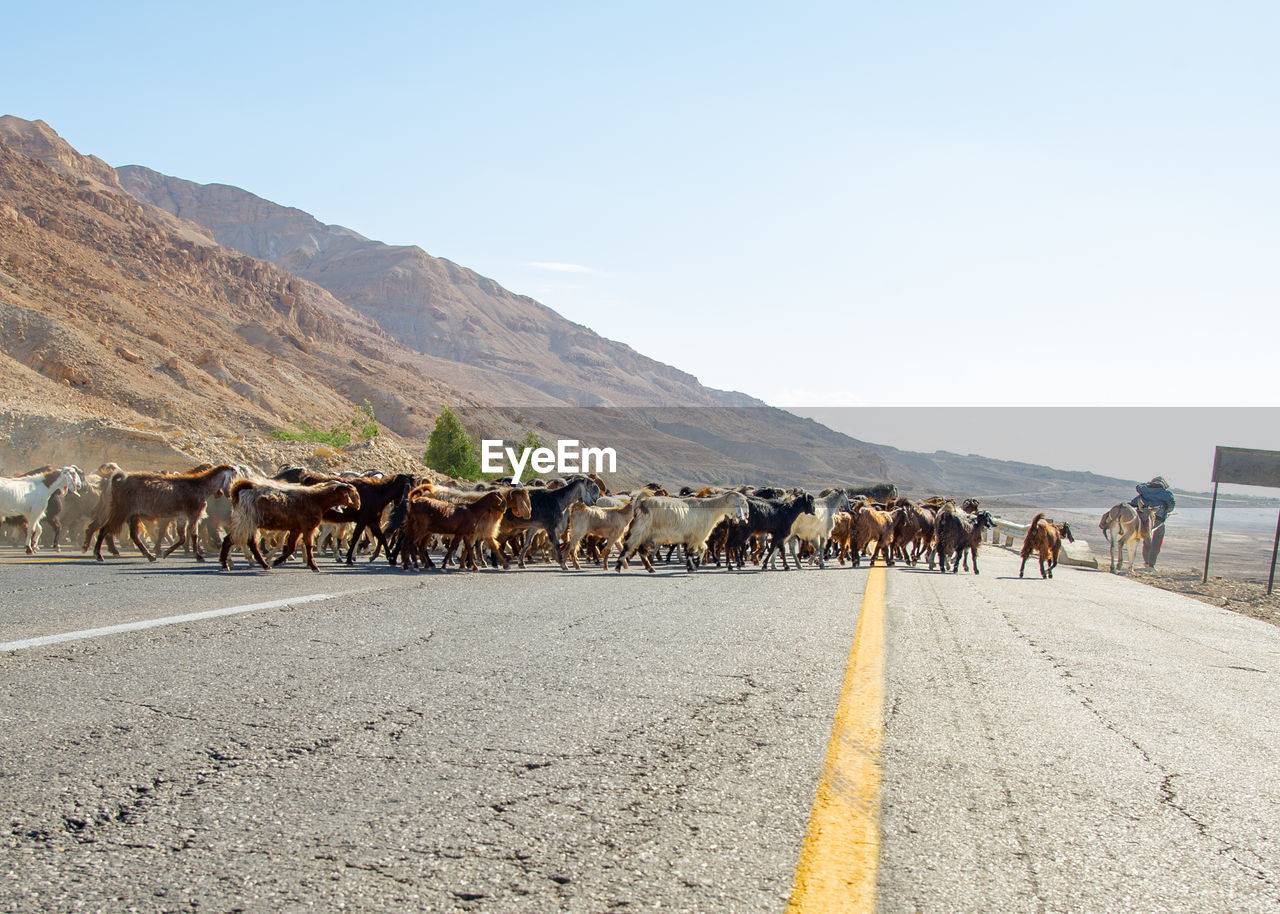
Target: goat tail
{"x":244,"y":513}
{"x":1028,"y":546}
{"x":239,"y":486}
{"x":638,"y":529}
{"x":397,"y":518}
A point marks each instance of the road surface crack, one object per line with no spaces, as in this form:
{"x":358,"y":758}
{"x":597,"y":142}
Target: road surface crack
{"x":1166,"y":795}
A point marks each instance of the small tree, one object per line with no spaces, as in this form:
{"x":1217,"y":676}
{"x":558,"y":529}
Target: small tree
{"x":364,"y":424}
{"x":531,"y":442}
{"x":450,"y":449}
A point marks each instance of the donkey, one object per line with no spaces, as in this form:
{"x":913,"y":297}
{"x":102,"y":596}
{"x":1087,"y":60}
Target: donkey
{"x":1124,"y":525}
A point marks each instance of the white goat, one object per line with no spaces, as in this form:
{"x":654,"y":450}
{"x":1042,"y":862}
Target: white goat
{"x":28,"y":496}
{"x":663,"y":520}
{"x":815,"y":529}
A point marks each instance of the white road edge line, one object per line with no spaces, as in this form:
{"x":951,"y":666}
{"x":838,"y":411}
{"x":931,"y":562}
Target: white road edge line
{"x":156,"y":623}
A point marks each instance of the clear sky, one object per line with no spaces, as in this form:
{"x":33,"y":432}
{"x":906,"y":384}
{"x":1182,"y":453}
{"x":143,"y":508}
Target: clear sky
{"x":924,"y":204}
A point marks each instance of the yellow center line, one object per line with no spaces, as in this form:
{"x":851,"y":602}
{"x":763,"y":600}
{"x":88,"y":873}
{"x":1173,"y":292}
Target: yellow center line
{"x":837,"y":866}
{"x":43,"y":561}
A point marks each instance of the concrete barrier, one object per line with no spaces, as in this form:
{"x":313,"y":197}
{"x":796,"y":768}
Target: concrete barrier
{"x":1077,"y":553}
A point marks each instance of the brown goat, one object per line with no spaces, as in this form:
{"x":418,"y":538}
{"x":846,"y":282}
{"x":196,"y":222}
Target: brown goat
{"x":100,"y":484}
{"x":516,"y":501}
{"x":906,"y":528}
{"x":959,"y":533}
{"x":161,"y":495}
{"x":1045,"y":539}
{"x":285,"y":507}
{"x":461,"y":521}
{"x":518,"y":506}
{"x":913,"y":529}
{"x":871,"y":524}
{"x":842,"y":535}
{"x":376,"y":493}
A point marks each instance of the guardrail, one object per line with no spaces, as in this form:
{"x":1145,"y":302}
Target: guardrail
{"x":1077,"y":553}
{"x":1008,"y":529}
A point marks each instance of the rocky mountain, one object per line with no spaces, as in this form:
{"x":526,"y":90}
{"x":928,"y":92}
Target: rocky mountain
{"x":126,"y":326}
{"x":431,"y":304}
{"x":189,"y":330}
{"x":107,"y":311}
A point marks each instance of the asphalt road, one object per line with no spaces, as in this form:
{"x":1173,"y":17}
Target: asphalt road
{"x":1086,"y":743}
{"x":539,"y":741}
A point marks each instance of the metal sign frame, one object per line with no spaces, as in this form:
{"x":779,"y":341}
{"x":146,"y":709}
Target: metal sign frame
{"x":1244,"y":466}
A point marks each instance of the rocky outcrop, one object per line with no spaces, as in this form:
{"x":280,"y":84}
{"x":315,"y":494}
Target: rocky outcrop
{"x":130,"y":334}
{"x":431,"y":304}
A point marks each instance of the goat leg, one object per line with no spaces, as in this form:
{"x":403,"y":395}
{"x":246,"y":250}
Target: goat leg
{"x":308,"y":549}
{"x":290,"y":545}
{"x":257,"y":553}
{"x":193,"y":531}
{"x":135,"y":533}
{"x":355,"y":541}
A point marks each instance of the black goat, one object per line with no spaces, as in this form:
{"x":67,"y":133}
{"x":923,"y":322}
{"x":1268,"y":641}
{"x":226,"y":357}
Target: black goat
{"x":770,"y":516}
{"x":959,"y":532}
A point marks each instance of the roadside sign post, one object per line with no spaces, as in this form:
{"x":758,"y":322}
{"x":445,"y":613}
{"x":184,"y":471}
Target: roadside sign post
{"x":1245,"y":467}
{"x":1271,"y":578}
{"x":1213,"y":509}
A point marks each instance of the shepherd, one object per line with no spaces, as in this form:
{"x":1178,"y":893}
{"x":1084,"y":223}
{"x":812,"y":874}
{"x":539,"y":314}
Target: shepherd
{"x":1158,"y":496}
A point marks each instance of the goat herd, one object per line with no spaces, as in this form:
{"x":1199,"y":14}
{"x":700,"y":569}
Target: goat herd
{"x":403,"y":518}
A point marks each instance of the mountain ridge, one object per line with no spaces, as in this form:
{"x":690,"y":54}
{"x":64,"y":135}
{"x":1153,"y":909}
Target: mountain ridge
{"x":431,"y":304}
{"x":128,"y":322}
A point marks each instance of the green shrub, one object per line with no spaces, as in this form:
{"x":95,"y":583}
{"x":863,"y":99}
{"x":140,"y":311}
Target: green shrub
{"x":450,"y":449}
{"x":362,"y":426}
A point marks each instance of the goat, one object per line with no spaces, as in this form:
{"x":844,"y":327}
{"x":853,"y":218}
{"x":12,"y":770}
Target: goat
{"x":463,"y":521}
{"x":1044,"y":538}
{"x":29,"y":496}
{"x":99,"y":510}
{"x":549,"y":514}
{"x":54,"y":511}
{"x":161,"y":495}
{"x":608,"y":523}
{"x":772,"y":517}
{"x":376,"y":493}
{"x":515,"y":502}
{"x":681,"y":521}
{"x":913,"y":530}
{"x":880,"y":492}
{"x":871,"y":524}
{"x":285,"y":507}
{"x":842,"y":536}
{"x":959,"y":533}
{"x":815,"y":529}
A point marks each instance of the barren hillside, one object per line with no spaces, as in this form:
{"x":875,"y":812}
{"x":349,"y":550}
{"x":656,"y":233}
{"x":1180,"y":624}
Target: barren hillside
{"x":431,"y":304}
{"x":189,"y":329}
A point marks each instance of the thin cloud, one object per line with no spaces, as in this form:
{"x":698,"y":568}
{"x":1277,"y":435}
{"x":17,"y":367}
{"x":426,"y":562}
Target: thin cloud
{"x":800,"y":398}
{"x":561,"y":267}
